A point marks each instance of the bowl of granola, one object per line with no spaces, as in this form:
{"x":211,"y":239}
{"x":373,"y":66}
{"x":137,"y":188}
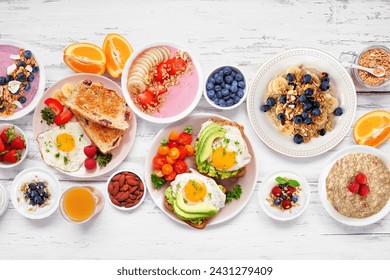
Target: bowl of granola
{"x":162,"y":82}
{"x":302,"y":102}
{"x":22,"y":79}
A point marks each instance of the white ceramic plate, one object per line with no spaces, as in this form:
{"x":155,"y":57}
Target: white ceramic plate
{"x":18,"y":200}
{"x":118,"y":154}
{"x":275,"y":213}
{"x":346,"y":95}
{"x":322,"y":187}
{"x":247,"y":182}
{"x":41,"y":85}
{"x":177,"y":103}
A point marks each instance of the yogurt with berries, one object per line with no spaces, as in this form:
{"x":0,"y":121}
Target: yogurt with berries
{"x":19,"y":79}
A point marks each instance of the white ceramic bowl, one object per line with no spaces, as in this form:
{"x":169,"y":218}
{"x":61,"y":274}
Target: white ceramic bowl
{"x":18,"y":131}
{"x":275,"y":213}
{"x":269,"y":133}
{"x":17,"y":197}
{"x":41,"y":85}
{"x":211,"y":102}
{"x":322,"y":187}
{"x":124,"y":208}
{"x":4,"y":199}
{"x":191,"y":106}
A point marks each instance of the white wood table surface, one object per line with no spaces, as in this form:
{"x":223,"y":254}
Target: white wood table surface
{"x":242,"y":34}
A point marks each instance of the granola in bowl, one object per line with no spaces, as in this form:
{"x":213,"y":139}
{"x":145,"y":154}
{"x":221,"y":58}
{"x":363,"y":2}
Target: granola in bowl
{"x":301,"y":102}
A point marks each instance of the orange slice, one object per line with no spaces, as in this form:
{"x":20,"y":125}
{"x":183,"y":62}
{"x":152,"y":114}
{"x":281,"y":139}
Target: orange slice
{"x":372,"y":129}
{"x":117,"y":50}
{"x":86,"y":58}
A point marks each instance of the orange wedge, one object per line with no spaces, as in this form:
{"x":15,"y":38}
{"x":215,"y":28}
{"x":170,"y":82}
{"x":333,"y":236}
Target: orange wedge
{"x":86,"y":58}
{"x":372,"y":129}
{"x":117,"y":50}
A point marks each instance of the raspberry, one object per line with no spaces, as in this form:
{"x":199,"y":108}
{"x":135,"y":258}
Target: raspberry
{"x":286,"y":204}
{"x":276,"y":191}
{"x":90,"y":163}
{"x":90,"y":151}
{"x":290,"y":191}
{"x":353,"y":188}
{"x":361,"y":179}
{"x":364,"y":190}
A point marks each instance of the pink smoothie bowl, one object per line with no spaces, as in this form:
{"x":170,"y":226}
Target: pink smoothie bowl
{"x":180,"y":100}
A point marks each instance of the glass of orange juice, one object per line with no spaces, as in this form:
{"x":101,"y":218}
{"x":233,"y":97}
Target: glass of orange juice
{"x":80,"y":204}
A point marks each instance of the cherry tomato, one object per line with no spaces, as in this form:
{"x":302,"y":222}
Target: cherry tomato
{"x":170,"y":177}
{"x":180,"y":166}
{"x":174,"y":153}
{"x":172,"y":144}
{"x":184,"y":138}
{"x":167,"y":169}
{"x":173,"y":135}
{"x":157,"y":89}
{"x":161,"y":72}
{"x":159,"y":161}
{"x":170,"y":160}
{"x":190,"y":150}
{"x":158,"y":173}
{"x":63,"y":117}
{"x":183,"y":152}
{"x":147,"y":99}
{"x":163,"y":150}
{"x":176,"y":65}
{"x":55,"y":105}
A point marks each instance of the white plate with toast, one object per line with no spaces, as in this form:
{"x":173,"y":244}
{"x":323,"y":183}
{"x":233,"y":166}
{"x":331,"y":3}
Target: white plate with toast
{"x":269,"y":133}
{"x":247,"y":182}
{"x":119,"y":153}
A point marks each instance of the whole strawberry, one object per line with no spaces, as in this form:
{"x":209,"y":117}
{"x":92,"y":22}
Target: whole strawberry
{"x":19,"y":143}
{"x":12,"y":156}
{"x":2,"y":147}
{"x":8,"y":134}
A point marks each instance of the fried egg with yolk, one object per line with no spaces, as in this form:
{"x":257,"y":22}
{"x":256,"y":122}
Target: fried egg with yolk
{"x":229,"y":153}
{"x":62,"y":147}
{"x":197,"y":188}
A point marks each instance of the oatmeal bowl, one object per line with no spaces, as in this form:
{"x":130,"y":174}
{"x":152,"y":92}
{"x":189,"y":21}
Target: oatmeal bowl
{"x":354,"y":187}
{"x":162,"y":82}
{"x":302,"y":102}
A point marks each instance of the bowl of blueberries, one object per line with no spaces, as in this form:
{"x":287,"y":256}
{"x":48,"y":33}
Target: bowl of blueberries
{"x":35,"y":193}
{"x":225,"y":88}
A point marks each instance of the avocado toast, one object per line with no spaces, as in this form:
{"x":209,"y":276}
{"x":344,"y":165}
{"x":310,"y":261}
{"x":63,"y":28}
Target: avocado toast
{"x":220,"y":150}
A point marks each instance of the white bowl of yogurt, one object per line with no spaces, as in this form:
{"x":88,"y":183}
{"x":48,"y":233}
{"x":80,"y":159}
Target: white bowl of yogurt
{"x":181,"y":98}
{"x":19,"y":96}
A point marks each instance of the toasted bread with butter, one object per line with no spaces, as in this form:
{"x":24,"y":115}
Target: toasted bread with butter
{"x":99,"y":105}
{"x":104,"y":138}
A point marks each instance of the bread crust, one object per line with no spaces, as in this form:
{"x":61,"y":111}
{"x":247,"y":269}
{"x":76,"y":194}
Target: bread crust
{"x":100,"y":105}
{"x":241,"y":128}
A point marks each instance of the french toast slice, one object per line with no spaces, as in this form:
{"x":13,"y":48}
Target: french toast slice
{"x":97,"y":104}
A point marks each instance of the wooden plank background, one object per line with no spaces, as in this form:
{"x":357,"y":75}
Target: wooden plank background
{"x":238,"y":33}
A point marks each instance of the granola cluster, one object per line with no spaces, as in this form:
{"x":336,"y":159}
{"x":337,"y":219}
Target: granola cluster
{"x":373,"y":58}
{"x":301,"y":102}
{"x":13,"y":88}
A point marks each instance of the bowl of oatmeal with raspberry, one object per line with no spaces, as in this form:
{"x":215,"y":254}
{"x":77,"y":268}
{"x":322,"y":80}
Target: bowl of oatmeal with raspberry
{"x":22,"y":79}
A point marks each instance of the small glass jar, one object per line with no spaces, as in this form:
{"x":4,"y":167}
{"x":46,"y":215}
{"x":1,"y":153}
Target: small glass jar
{"x":356,"y":59}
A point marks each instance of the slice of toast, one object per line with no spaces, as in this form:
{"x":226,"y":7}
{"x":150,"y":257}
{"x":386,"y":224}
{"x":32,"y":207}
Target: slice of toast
{"x":104,"y":138}
{"x":195,"y":225}
{"x":99,"y":105}
{"x":241,"y":128}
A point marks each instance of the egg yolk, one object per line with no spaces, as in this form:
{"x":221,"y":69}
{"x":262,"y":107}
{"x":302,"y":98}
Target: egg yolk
{"x":65,"y":142}
{"x":195,"y":191}
{"x":223,"y":159}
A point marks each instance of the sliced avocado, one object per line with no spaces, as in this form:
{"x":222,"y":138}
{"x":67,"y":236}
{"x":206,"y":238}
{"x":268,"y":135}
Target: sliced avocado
{"x":187,"y":216}
{"x":200,"y":208}
{"x":205,"y":142}
{"x":204,"y":132}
